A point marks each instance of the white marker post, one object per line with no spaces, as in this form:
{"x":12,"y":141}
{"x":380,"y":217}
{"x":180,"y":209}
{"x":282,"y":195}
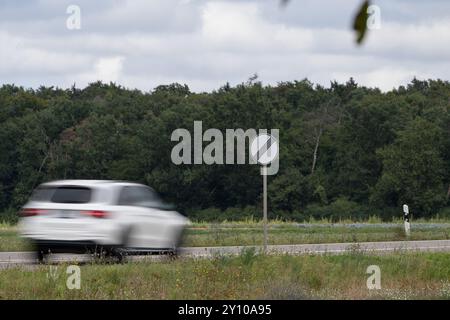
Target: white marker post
{"x":406,"y":219}
{"x":264,"y":149}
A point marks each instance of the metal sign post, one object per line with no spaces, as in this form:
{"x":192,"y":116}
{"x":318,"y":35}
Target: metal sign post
{"x":265,"y":206}
{"x":264,"y":149}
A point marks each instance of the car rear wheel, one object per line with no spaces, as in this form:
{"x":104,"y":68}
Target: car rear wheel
{"x":102,"y":254}
{"x":40,"y":255}
{"x":120,"y":253}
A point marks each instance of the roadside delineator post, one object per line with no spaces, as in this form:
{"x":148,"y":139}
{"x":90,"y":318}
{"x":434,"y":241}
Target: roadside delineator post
{"x":406,"y":220}
{"x":264,"y":149}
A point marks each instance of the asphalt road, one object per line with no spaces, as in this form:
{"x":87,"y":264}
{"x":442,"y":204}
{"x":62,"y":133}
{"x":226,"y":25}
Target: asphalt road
{"x":9,"y":259}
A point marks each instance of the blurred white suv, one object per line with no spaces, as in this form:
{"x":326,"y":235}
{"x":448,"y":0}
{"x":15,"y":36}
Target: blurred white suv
{"x":77,"y":216}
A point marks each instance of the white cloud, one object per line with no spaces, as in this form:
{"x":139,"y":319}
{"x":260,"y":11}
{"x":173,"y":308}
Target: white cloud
{"x":105,"y":69}
{"x":241,"y":27}
{"x":419,"y":41}
{"x":389,"y":78}
{"x":383,"y":78}
{"x":19,"y":56}
{"x":108,"y":69}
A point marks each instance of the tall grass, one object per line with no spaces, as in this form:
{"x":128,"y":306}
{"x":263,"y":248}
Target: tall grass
{"x":10,"y":218}
{"x":248,"y":276}
{"x":252,"y":221}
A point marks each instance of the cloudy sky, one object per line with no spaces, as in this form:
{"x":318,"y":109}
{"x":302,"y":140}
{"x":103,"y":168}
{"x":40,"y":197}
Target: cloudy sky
{"x":145,"y":43}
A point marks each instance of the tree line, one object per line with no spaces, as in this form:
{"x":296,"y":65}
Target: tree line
{"x":345,"y":150}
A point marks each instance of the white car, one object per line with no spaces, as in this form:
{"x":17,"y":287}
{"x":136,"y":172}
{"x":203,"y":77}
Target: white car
{"x":112,"y":217}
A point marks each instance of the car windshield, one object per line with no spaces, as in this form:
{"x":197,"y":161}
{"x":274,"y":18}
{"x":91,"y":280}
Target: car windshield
{"x":63,"y":194}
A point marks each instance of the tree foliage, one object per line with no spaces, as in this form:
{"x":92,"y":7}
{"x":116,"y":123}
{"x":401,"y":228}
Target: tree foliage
{"x":345,"y":148}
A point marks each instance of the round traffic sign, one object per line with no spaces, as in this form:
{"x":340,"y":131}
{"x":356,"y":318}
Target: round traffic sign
{"x":264,"y":149}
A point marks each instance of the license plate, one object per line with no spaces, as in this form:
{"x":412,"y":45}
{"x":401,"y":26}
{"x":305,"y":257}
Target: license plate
{"x":68,"y":214}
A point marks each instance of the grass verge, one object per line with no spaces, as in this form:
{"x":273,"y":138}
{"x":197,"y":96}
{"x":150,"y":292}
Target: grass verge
{"x":248,"y":276}
{"x":250,"y":233}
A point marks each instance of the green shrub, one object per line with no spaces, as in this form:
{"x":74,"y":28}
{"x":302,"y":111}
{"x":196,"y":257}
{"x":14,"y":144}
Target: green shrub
{"x":9,"y":216}
{"x":284,"y":215}
{"x":210,"y":214}
{"x":248,"y":256}
{"x":230,"y":214}
{"x":339,"y":209}
{"x":444,"y":213}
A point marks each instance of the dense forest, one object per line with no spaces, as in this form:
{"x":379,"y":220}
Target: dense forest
{"x":345,"y":151}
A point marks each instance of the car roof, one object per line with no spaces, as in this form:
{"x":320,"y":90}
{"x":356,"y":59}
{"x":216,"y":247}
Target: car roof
{"x":88,"y":183}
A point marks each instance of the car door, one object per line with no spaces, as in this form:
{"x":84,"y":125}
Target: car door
{"x":149,"y":225}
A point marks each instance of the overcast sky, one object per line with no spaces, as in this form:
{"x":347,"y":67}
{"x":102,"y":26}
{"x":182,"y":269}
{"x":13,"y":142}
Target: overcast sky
{"x":204,"y":44}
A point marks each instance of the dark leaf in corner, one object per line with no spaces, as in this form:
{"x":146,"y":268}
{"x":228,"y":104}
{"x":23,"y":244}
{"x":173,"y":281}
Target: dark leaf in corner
{"x":284,"y":2}
{"x":360,"y":22}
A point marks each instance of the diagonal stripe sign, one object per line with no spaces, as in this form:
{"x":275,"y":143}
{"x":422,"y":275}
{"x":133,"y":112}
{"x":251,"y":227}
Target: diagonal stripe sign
{"x":264,"y":149}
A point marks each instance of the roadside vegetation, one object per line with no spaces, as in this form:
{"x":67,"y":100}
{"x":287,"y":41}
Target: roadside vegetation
{"x":249,"y":232}
{"x":248,"y":276}
{"x":347,"y":151}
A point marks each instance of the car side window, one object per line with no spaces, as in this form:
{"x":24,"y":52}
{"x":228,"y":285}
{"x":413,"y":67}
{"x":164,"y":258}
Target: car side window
{"x":138,"y":196}
{"x":125,"y":197}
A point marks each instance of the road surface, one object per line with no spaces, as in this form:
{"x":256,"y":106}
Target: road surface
{"x":8,"y":259}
